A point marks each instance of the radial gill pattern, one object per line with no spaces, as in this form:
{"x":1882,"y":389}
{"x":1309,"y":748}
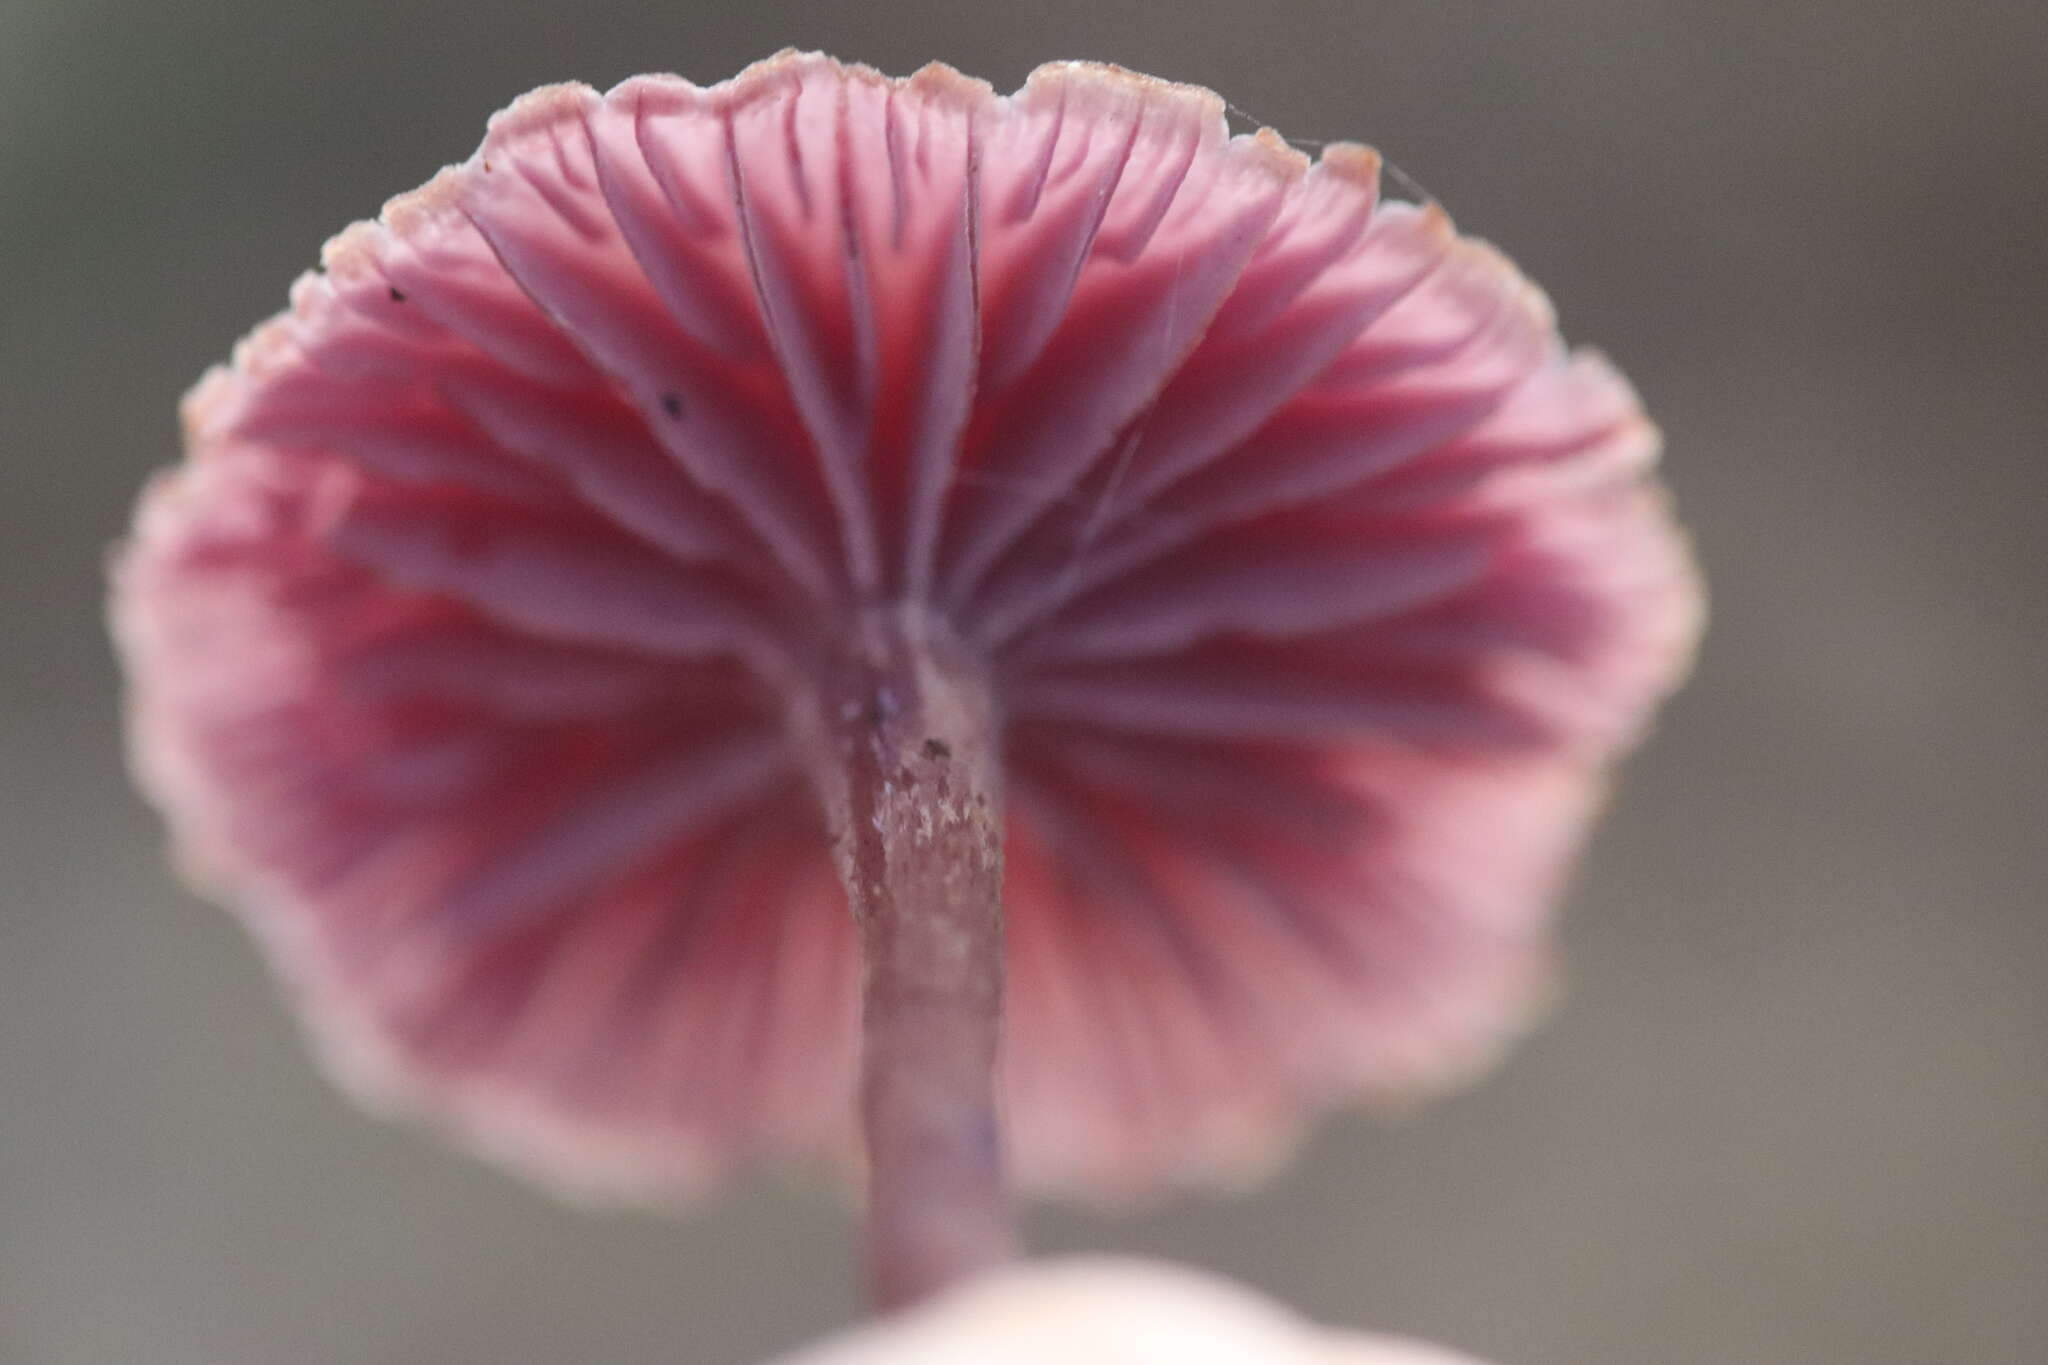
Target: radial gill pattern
{"x":1316,"y":582}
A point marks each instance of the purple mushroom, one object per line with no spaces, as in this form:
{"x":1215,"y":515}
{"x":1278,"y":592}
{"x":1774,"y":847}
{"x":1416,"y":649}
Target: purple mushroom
{"x":1183,"y":606}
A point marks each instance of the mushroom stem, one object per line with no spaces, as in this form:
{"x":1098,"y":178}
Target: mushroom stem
{"x":918,"y":810}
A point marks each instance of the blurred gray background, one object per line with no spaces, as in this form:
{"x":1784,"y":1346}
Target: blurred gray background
{"x":1795,"y":1107}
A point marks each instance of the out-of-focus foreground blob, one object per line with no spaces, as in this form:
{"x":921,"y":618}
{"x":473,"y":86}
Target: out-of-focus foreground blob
{"x":483,"y":651}
{"x":1109,"y":1312}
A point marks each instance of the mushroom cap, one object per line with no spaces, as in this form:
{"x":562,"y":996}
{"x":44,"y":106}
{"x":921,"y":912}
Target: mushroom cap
{"x":1104,"y":1310}
{"x":1318,"y":585}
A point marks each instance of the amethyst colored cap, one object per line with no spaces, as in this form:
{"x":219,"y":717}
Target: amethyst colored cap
{"x":1316,"y":584}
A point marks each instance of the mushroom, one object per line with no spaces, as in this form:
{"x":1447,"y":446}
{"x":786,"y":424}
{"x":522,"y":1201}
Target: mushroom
{"x":1181,"y":604}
